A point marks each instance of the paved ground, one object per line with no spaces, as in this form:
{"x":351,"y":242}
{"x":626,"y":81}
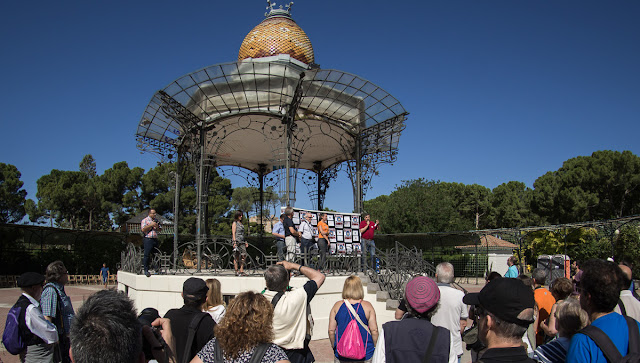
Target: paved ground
{"x":321,"y":348}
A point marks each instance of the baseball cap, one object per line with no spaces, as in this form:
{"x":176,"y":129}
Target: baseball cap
{"x":422,"y":293}
{"x":29,"y":279}
{"x":195,"y":287}
{"x":505,"y":298}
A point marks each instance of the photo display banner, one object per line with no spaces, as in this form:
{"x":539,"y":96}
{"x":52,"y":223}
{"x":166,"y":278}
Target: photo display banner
{"x":344,"y":230}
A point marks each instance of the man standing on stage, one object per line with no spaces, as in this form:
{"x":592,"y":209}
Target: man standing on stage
{"x":368,"y":245}
{"x":150,"y":228}
{"x":290,"y":234}
{"x":278,"y":232}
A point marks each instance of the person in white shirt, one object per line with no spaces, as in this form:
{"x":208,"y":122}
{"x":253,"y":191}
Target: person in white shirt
{"x":306,"y":237}
{"x":42,"y":334}
{"x":453,"y":313}
{"x":627,"y":301}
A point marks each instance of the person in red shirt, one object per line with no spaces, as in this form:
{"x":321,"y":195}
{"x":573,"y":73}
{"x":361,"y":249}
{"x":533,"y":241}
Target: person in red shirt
{"x":367,"y":228}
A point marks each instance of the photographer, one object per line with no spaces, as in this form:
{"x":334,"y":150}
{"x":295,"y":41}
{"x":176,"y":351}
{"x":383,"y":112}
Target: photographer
{"x":106,"y":329}
{"x":292,"y":320}
{"x":150,"y":227}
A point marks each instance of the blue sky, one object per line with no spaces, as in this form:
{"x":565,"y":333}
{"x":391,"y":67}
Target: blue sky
{"x":496,"y":90}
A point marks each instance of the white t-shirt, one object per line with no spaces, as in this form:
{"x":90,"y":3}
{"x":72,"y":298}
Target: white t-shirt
{"x":217,"y":312}
{"x":449,"y":314}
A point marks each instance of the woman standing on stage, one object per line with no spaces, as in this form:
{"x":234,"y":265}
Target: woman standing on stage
{"x":239,"y":244}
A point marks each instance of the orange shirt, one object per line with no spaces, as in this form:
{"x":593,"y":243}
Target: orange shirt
{"x":545,"y":301}
{"x":322,"y":227}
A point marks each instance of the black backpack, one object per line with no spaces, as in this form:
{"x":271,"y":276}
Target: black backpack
{"x":609,"y":349}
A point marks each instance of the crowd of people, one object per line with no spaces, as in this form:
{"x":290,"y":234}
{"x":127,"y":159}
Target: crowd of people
{"x":593,"y":318}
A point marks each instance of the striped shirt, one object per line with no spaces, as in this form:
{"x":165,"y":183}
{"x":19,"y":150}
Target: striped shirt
{"x":553,"y":352}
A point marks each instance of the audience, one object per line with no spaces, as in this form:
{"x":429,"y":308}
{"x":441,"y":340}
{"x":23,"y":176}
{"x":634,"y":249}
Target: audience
{"x":292,"y":320}
{"x":340,"y":316}
{"x":452,"y":313}
{"x":414,"y":337}
{"x":569,"y":318}
{"x":512,"y":271}
{"x":627,"y":302}
{"x":599,"y":293}
{"x":215,"y":304}
{"x":544,"y":301}
{"x":504,"y":309}
{"x":561,"y":289}
{"x":56,"y":307}
{"x":106,"y":330}
{"x":194,"y":294}
{"x":245,"y":331}
{"x":38,"y":334}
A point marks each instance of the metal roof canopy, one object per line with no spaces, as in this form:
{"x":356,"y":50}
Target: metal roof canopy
{"x":241,"y":107}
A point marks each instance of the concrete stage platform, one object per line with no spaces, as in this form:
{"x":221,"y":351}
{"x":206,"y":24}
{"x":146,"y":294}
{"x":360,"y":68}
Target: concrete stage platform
{"x":163,"y":293}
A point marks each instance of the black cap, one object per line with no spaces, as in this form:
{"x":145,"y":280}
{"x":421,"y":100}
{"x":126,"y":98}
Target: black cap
{"x":195,"y":287}
{"x":505,"y":298}
{"x":29,"y":279}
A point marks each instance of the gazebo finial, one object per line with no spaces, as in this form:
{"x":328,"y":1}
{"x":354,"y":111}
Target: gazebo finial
{"x":273,"y":11}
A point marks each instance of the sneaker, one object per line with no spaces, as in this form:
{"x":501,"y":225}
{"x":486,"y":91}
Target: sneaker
{"x":147,"y":274}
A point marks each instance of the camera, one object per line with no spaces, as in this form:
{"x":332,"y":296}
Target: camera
{"x":153,"y":345}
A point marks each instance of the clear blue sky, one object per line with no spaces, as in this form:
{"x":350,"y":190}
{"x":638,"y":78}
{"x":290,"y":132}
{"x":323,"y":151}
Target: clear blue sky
{"x":497,"y":90}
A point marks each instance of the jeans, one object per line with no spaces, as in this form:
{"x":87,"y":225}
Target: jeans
{"x":322,"y":247}
{"x":149,"y":245}
{"x":368,"y":246}
{"x":305,"y":246}
{"x":280,"y":246}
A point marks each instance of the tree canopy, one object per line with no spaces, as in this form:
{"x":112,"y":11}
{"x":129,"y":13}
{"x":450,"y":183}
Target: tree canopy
{"x":12,"y":197}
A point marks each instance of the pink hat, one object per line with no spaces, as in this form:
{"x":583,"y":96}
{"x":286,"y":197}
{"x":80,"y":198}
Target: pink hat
{"x":422,"y":293}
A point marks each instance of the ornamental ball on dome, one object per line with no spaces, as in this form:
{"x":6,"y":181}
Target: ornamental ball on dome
{"x":277,"y":34}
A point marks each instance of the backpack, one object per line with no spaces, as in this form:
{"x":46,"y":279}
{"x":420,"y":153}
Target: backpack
{"x":350,"y":344}
{"x":193,"y":329}
{"x":609,"y":349}
{"x":12,"y":337}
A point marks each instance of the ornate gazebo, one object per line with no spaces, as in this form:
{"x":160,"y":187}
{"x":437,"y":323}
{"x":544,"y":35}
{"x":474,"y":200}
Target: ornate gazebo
{"x":274,"y":117}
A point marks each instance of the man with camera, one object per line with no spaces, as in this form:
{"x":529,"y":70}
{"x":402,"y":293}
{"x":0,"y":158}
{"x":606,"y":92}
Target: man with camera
{"x":106,"y":329}
{"x":150,"y":227}
{"x":292,"y":320}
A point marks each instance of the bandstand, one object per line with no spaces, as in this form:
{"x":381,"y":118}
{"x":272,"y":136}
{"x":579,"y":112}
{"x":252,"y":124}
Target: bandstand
{"x":273,"y":117}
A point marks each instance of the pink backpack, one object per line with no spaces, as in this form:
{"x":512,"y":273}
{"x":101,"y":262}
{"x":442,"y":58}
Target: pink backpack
{"x":350,"y":343}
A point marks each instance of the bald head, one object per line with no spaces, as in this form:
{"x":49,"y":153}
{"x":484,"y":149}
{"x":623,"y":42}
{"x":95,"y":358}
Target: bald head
{"x":626,"y":276}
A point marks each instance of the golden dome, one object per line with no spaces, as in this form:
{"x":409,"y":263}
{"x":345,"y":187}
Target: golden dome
{"x":277,"y":34}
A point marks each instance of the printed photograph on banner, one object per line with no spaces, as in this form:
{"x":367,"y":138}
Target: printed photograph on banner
{"x":341,"y":249}
{"x":340,"y":235}
{"x":357,"y":247}
{"x":332,"y":235}
{"x":355,"y":235}
{"x":314,"y":220}
{"x":349,"y":248}
{"x":347,"y":222}
{"x":339,"y":221}
{"x":296,"y":214}
{"x":296,"y":220}
{"x":347,"y":235}
{"x":355,"y":221}
{"x":332,"y":249}
{"x":330,"y":221}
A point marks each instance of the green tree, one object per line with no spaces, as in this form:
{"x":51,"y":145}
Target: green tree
{"x":88,"y":166}
{"x":511,"y":205}
{"x":475,"y":204}
{"x":12,"y":198}
{"x":601,"y":186}
{"x":62,"y":194}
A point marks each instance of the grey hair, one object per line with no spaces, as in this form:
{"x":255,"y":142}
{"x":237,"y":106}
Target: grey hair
{"x":539,"y":275}
{"x":106,"y":329}
{"x":277,"y":278}
{"x":445,"y":273}
{"x":288,"y":211}
{"x":55,"y":271}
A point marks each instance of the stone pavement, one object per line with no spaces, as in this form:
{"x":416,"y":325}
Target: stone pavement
{"x":321,"y":348}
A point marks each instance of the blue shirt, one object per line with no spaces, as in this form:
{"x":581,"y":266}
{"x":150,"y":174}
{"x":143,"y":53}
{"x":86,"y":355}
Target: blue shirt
{"x":343,"y":317}
{"x":279,"y":229}
{"x":583,"y":349}
{"x":104,"y":272}
{"x":512,"y":272}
